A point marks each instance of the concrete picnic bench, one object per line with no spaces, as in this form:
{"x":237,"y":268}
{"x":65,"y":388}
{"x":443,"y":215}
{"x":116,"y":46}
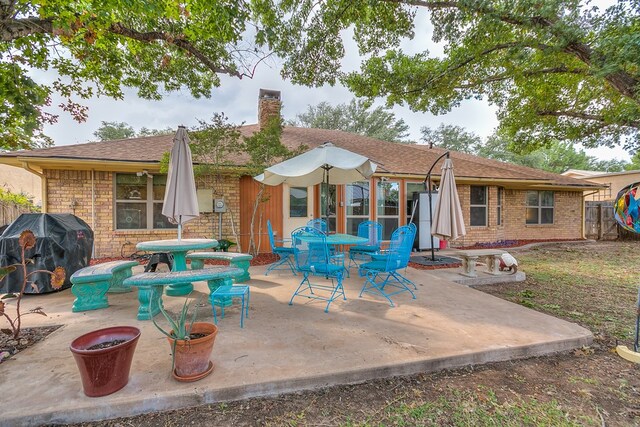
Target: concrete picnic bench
{"x":235,"y":259}
{"x":91,"y":284}
{"x":470,"y":256}
{"x":151,"y":285}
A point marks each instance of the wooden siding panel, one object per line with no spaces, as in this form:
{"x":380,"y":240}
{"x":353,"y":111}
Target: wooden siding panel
{"x":271,"y":209}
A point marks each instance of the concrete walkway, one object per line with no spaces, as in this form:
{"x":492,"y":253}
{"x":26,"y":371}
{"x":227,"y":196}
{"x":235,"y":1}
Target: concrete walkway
{"x":281,"y":349}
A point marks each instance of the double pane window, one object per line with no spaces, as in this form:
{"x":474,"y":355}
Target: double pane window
{"x":540,"y":207}
{"x":139,"y":202}
{"x":478,"y":205}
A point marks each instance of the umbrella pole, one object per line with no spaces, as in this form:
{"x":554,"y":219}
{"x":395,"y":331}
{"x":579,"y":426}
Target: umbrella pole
{"x":180,"y":227}
{"x":427,"y":184}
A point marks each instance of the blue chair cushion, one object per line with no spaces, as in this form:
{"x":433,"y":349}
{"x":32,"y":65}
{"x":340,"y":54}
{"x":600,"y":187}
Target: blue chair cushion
{"x":283,"y":250}
{"x":329,"y":269}
{"x":364,"y":248}
{"x":374,"y":265}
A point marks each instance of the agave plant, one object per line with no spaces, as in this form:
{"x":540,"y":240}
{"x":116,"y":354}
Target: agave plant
{"x":26,"y":241}
{"x":182,"y":323}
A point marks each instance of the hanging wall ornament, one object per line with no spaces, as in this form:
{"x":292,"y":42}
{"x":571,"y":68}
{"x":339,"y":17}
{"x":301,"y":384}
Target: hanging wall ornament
{"x":626,"y":208}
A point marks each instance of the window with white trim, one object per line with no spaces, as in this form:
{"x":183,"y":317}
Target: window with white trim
{"x":540,"y":207}
{"x":138,"y":202}
{"x":478,"y":205}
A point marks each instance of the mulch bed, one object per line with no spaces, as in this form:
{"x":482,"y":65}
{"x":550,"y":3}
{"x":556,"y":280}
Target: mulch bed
{"x":27,"y":338}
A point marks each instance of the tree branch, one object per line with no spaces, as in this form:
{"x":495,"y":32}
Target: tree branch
{"x":585,"y":116}
{"x":176,"y":41}
{"x":532,"y":73}
{"x":12,"y":29}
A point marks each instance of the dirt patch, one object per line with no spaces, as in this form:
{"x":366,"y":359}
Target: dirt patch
{"x":28,"y":337}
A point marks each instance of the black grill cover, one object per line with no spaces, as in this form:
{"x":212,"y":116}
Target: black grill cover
{"x":62,"y":240}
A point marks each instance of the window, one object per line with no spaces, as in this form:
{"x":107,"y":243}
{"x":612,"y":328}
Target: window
{"x":388,"y":208}
{"x":499,"y":206}
{"x":357,"y":197}
{"x":298,"y":202}
{"x":539,"y":207}
{"x":478,"y":205}
{"x":139,"y":202}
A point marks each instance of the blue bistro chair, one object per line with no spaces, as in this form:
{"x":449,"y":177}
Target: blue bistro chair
{"x":285,"y":253}
{"x":312,"y":259}
{"x":319,"y":224}
{"x":382,"y":276}
{"x":371,"y":230}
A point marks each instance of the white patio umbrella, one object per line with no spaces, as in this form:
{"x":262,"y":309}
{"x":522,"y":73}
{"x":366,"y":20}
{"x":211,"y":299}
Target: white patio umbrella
{"x":447,"y":222}
{"x":326,"y":163}
{"x":180,"y":199}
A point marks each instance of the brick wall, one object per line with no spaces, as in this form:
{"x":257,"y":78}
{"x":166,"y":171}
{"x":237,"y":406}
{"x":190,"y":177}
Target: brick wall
{"x":71,"y":192}
{"x":567,"y":218}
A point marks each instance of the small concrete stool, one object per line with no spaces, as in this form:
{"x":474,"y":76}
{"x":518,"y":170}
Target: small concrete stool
{"x":236,"y":291}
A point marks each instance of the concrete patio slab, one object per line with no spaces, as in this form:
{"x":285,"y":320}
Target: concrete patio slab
{"x":281,"y":349}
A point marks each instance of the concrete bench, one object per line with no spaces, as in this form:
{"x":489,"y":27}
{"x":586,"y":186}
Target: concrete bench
{"x":470,"y":256}
{"x":235,"y":260}
{"x":150,"y":285}
{"x":90,"y":284}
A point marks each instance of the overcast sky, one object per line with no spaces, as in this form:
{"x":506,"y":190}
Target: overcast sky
{"x":238,"y":99}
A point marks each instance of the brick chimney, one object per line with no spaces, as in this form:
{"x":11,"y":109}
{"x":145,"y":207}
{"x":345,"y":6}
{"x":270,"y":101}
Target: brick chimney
{"x":268,"y":106}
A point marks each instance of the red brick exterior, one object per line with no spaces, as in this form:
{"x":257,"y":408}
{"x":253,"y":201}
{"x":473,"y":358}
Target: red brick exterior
{"x":71,"y":192}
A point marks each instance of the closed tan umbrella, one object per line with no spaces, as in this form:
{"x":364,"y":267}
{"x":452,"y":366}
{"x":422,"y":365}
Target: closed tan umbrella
{"x":180,"y":198}
{"x":448,"y":222}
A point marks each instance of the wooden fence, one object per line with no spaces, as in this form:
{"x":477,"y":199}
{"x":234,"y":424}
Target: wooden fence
{"x":10,"y":211}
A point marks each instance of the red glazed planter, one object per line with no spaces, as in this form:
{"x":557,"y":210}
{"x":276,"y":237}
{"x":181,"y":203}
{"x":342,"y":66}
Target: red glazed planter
{"x":105,"y":371}
{"x":192,"y":358}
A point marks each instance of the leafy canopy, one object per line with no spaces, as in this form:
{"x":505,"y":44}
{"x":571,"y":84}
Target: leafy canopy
{"x":99,"y":47}
{"x":356,"y":117}
{"x":555,"y":69}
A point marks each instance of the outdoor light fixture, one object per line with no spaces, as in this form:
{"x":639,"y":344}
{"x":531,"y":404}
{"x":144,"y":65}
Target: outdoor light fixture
{"x":144,"y":172}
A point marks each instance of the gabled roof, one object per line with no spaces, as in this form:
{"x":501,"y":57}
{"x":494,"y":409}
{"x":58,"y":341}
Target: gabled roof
{"x":392,"y":158}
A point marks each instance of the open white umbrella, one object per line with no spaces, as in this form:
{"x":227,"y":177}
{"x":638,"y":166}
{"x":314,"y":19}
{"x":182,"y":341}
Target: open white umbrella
{"x":326,"y":163}
{"x":448,"y":222}
{"x":180,"y":198}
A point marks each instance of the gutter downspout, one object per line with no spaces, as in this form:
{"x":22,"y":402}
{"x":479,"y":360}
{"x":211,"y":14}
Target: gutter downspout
{"x":45,"y":203}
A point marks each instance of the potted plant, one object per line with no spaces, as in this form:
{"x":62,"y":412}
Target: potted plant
{"x":104,"y":358}
{"x":191,"y":343}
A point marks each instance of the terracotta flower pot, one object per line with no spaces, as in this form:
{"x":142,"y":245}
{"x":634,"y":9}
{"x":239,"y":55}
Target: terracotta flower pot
{"x":192,"y":357}
{"x":105,"y":370}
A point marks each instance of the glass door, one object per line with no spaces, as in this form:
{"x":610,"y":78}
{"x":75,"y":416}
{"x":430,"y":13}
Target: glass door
{"x":357,"y":205}
{"x":332,"y":205}
{"x":388,"y":207}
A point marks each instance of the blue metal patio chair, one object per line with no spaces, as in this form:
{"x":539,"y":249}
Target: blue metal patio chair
{"x":312,"y":258}
{"x":372,"y":230}
{"x":319,"y":224}
{"x":382,"y":276}
{"x":285,"y":253}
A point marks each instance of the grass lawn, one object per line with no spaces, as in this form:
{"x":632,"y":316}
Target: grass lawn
{"x":594,"y":285}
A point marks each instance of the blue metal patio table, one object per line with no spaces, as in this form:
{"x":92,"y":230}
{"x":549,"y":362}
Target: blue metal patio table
{"x":179,"y":249}
{"x":339,"y":240}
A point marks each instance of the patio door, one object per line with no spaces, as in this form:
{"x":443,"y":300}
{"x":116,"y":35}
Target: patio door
{"x":331,"y":207}
{"x":388,"y":206}
{"x":357,"y":205}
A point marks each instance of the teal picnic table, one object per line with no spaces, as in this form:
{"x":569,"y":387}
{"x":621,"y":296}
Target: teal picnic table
{"x":179,"y":249}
